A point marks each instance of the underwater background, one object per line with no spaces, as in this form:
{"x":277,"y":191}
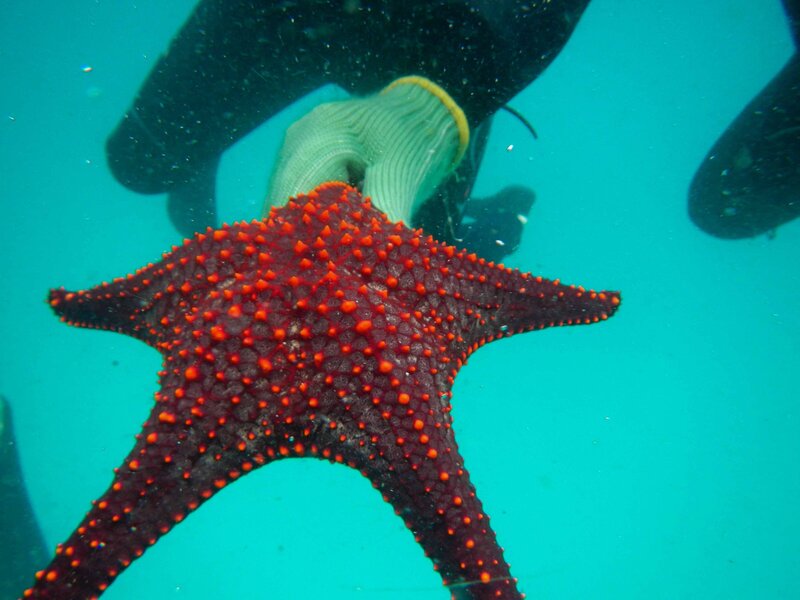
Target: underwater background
{"x":654,"y":455}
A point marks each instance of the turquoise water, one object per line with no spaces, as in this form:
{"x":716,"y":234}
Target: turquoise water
{"x":654,"y":455}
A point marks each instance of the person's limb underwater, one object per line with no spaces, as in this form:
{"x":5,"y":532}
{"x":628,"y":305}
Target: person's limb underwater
{"x":23,"y":548}
{"x":231,"y":67}
{"x":236,"y":63}
{"x":749,"y":182}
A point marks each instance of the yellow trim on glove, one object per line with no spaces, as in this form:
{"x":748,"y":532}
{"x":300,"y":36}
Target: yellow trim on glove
{"x":454,"y":109}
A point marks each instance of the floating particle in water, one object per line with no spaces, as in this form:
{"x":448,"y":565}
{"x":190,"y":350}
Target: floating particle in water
{"x":87,"y":68}
{"x":729,"y":211}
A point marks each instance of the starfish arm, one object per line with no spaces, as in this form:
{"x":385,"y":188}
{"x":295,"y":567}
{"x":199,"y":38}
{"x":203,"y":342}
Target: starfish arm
{"x":400,"y":436}
{"x":133,"y":305}
{"x":438,"y":504}
{"x":492,"y":301}
{"x":159,"y":301}
{"x":173,"y":468}
{"x":465,"y":301}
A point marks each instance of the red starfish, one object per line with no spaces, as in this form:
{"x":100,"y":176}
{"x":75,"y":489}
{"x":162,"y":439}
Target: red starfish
{"x":324,"y":331}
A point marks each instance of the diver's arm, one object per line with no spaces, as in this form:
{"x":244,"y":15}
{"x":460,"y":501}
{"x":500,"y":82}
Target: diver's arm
{"x":233,"y":64}
{"x":527,"y":38}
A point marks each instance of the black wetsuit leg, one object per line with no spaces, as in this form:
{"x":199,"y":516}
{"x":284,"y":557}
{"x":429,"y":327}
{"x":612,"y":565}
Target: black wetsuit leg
{"x":749,"y":182}
{"x":23,"y":549}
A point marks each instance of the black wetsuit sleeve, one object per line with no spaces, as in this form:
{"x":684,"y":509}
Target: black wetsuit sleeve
{"x":225,"y":73}
{"x":524,"y":37}
{"x":483,"y":52}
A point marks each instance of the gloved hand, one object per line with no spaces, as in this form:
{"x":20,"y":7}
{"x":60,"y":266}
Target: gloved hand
{"x":396,"y":146}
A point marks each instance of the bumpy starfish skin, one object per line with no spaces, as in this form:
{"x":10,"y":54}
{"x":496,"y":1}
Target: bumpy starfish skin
{"x":322,"y":331}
